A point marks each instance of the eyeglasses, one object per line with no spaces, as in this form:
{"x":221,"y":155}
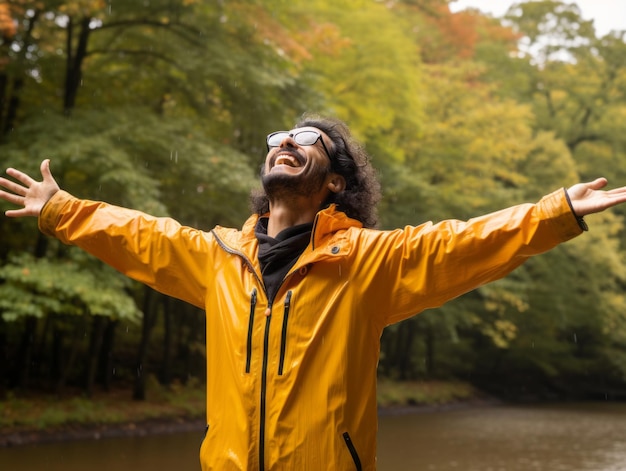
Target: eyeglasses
{"x":303,"y":138}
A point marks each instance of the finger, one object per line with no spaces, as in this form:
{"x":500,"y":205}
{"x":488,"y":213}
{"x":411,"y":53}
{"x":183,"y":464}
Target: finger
{"x":12,"y":186}
{"x":598,"y":183}
{"x":12,"y":198}
{"x":616,"y":196}
{"x":45,"y":169}
{"x":17,"y":213}
{"x":21,"y":177}
{"x":617,"y":191}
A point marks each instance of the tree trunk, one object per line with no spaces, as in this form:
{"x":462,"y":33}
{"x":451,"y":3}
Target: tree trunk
{"x":149,"y":316}
{"x":40,"y":351}
{"x":66,"y":369}
{"x":106,"y":367}
{"x":41,"y":248}
{"x":430,"y":352}
{"x":13,"y":100}
{"x":4,"y":82}
{"x":194,"y":333}
{"x":13,"y":105}
{"x":26,"y":353}
{"x":95,"y":343}
{"x":56,"y":356}
{"x":166,"y":363}
{"x":73,"y":70}
{"x":4,"y":358}
{"x":404,"y":350}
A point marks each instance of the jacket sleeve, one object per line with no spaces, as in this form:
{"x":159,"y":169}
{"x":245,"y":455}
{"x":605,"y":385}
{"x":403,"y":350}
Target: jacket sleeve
{"x":159,"y":252}
{"x":425,"y":266}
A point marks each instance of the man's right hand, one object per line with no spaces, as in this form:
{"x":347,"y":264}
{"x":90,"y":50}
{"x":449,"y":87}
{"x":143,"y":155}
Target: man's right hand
{"x":30,"y":194}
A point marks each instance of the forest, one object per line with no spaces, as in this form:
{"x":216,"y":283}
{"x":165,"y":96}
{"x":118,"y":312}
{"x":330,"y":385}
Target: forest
{"x":164,"y":105}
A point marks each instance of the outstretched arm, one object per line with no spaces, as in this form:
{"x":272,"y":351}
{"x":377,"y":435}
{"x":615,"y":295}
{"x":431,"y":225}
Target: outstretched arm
{"x":30,"y":194}
{"x":588,"y":198}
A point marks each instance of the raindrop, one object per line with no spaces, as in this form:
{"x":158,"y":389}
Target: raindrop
{"x":575,"y":338}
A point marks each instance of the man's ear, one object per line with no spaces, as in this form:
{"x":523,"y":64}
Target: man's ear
{"x":337,"y":183}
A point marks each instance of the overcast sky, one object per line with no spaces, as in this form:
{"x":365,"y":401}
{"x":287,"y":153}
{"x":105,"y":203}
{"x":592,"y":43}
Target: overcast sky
{"x":607,"y":14}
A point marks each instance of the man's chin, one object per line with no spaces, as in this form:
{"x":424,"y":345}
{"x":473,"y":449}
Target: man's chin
{"x":279,"y":183}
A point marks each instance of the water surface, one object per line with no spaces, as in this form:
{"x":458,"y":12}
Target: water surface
{"x":572,"y":437}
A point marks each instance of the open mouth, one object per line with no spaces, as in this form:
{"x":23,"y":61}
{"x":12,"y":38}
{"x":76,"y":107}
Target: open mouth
{"x":290,"y":160}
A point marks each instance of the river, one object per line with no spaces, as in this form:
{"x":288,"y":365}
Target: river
{"x":562,"y":437}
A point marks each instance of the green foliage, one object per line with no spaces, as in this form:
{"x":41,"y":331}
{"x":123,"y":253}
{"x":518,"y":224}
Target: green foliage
{"x":577,"y":91}
{"x":166,"y":108}
{"x":422,"y":393}
{"x":496,"y":136}
{"x":370,"y":80}
{"x":57,"y":413}
{"x":39,"y":287}
{"x":135,"y":159}
{"x":555,"y":27}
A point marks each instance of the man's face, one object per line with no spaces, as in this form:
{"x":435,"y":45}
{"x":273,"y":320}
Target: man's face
{"x":293,"y":169}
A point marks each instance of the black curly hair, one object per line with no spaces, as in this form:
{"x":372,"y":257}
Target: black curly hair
{"x":348,"y":159}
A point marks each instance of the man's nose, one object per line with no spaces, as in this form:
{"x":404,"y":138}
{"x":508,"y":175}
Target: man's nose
{"x":288,"y":141}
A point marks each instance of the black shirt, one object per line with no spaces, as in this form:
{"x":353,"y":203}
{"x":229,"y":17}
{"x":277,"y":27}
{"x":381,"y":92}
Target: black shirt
{"x":278,"y":255}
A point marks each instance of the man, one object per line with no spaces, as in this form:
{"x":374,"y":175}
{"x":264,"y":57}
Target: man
{"x":297,"y":300}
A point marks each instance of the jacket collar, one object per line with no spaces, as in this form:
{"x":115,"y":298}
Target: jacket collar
{"x":328,"y":222}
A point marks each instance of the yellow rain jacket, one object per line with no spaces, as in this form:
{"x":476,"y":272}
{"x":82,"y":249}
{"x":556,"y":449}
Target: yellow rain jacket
{"x":292,"y":386}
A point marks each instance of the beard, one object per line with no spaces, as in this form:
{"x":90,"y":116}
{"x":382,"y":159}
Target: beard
{"x":283,"y":185}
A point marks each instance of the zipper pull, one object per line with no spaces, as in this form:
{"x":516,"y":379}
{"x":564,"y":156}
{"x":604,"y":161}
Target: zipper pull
{"x":268,"y":311}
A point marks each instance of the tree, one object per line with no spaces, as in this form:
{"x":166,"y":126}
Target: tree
{"x":578,"y":85}
{"x":120,"y":156}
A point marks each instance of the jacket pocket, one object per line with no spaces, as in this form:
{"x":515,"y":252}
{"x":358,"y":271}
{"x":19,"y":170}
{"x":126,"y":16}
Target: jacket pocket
{"x":283,"y":338}
{"x":352,"y":450}
{"x":250,"y":326}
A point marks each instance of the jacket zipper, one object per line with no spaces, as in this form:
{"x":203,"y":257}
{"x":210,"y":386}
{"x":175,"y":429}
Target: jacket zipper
{"x":264,"y":389}
{"x":283,"y":339}
{"x":247,"y":261}
{"x":262,"y":412}
{"x":313,"y":230}
{"x":352,"y":450}
{"x":250,"y":325}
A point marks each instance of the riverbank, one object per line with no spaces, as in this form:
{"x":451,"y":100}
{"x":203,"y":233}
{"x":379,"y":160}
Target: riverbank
{"x":42,"y":419}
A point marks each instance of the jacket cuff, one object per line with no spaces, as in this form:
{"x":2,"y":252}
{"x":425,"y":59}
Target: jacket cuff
{"x":581,"y":221}
{"x":558,"y":211}
{"x":50,"y":213}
